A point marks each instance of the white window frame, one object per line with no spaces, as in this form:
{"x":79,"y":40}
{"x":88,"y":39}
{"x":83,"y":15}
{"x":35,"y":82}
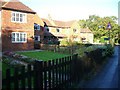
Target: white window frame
{"x":19,"y":37}
{"x":18,"y":16}
{"x":38,"y":26}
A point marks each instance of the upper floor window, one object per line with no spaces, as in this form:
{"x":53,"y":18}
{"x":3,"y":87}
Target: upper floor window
{"x":36,"y":26}
{"x":74,"y":30}
{"x":58,"y":30}
{"x":18,"y":17}
{"x":19,"y":37}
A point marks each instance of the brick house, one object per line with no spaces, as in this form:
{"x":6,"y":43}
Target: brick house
{"x":20,"y":25}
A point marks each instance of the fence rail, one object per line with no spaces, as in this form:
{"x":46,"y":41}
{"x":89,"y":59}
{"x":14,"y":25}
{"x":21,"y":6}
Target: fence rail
{"x":59,"y":73}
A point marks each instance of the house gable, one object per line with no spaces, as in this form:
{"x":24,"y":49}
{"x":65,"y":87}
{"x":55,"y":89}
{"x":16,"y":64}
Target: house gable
{"x":15,"y":5}
{"x":19,"y":36}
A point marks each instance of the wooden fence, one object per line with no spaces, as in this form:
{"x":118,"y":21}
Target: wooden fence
{"x":43,"y":75}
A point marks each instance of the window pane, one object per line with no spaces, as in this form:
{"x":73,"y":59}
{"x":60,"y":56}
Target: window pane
{"x":13,"y":16}
{"x":24,"y":17}
{"x":20,"y":36}
{"x":21,"y":18}
{"x":17,"y":16}
{"x":17,"y":37}
{"x":35,"y":26}
{"x":38,"y":27}
{"x":13,"y":36}
{"x":24,"y":37}
{"x":38,"y":38}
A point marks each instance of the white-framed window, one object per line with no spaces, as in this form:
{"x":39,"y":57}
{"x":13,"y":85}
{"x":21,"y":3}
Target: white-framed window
{"x":37,"y":38}
{"x":19,"y":37}
{"x":19,"y":17}
{"x":36,"y":26}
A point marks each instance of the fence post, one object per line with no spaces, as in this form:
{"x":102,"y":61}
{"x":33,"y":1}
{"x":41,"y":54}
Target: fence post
{"x":59,"y":72}
{"x":49,"y":74}
{"x":38,"y":74}
{"x":45,"y":75}
{"x":29,"y":77}
{"x":63,"y":72}
{"x":65,"y":67}
{"x":23,"y":77}
{"x":74,"y":69}
{"x":7,"y":84}
{"x":56,"y":70}
{"x":16,"y":78}
{"x":70,"y":75}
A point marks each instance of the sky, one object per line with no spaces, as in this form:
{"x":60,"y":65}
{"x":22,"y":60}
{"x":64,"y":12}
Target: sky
{"x":73,"y":9}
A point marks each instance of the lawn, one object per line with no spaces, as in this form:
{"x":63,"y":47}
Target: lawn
{"x":4,"y":68}
{"x":43,"y":55}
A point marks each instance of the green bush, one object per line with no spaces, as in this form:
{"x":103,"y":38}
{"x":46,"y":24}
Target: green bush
{"x":82,"y":50}
{"x":109,"y":50}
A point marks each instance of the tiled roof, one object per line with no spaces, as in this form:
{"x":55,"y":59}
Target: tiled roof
{"x":17,"y":6}
{"x":60,"y":24}
{"x":85,"y":30}
{"x":47,"y":22}
{"x":64,"y":24}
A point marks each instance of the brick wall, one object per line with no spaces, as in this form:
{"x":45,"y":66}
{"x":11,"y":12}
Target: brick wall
{"x":8,"y":27}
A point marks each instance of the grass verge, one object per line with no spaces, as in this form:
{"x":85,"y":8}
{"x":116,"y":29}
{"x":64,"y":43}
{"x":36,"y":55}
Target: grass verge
{"x":43,"y":55}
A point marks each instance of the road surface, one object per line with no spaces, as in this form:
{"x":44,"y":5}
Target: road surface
{"x":108,"y":77}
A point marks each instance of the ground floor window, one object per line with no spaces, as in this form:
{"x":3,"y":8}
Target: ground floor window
{"x":19,"y":37}
{"x":37,"y":38}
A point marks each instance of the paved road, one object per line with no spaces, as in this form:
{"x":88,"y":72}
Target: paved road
{"x":108,"y":77}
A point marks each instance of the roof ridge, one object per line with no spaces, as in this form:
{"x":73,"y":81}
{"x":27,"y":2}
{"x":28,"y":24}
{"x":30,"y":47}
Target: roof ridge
{"x":5,"y":4}
{"x":17,"y":5}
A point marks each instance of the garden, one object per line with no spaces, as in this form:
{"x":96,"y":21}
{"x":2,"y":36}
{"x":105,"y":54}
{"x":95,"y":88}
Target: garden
{"x":90,"y":58}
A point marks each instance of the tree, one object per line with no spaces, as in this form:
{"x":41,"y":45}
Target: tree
{"x":98,"y":26}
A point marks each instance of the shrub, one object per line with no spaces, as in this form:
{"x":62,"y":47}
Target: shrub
{"x":109,"y":50}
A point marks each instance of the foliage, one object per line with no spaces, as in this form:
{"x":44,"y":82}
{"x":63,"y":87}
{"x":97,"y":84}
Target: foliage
{"x":109,"y":50}
{"x":63,"y":42}
{"x":98,"y":26}
{"x":102,"y":39}
{"x":92,"y":58}
{"x":70,"y":42}
{"x":81,"y":51}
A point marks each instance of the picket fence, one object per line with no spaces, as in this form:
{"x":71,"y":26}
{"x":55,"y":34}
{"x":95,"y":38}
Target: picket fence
{"x":43,"y":75}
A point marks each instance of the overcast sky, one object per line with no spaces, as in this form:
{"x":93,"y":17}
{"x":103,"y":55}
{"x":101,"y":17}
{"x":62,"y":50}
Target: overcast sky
{"x":73,"y":9}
